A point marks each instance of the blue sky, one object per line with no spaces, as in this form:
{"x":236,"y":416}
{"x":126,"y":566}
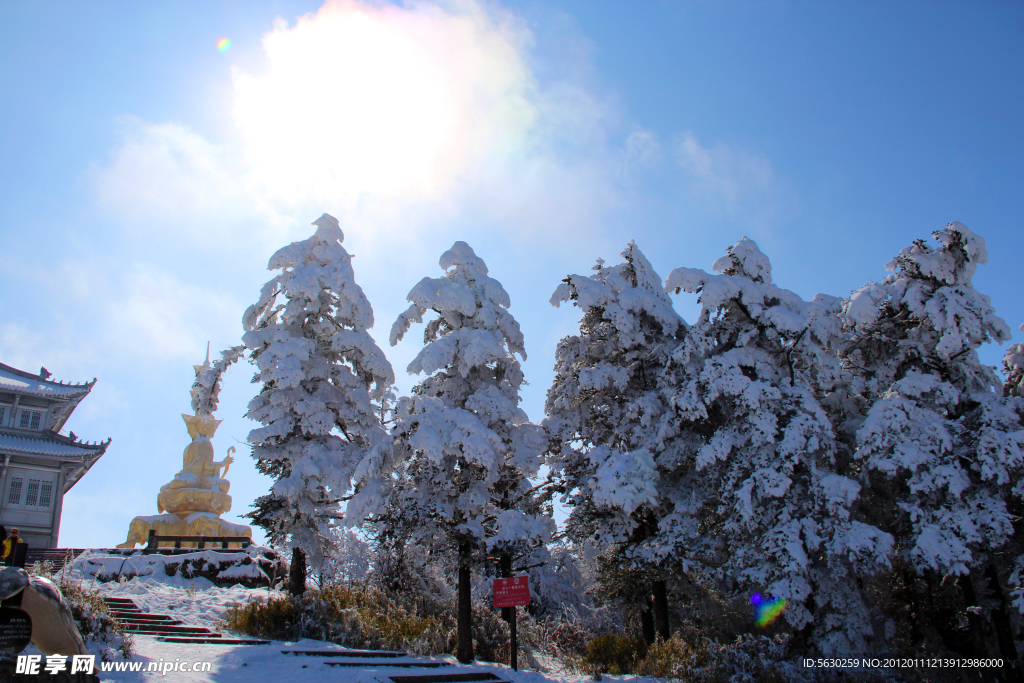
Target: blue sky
{"x":148,"y":177}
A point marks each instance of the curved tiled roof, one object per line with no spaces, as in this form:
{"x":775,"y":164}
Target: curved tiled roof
{"x":19,"y":381}
{"x":61,"y":447}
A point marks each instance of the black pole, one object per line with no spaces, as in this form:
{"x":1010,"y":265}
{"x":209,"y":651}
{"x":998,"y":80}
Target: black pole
{"x":515,"y":641}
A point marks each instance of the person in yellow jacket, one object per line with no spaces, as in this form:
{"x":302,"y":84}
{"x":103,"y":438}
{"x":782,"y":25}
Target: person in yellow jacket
{"x":9,"y":544}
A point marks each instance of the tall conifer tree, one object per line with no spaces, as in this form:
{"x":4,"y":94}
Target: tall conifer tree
{"x":602,"y":409}
{"x":940,"y":450}
{"x":320,"y":374}
{"x":456,"y":473}
{"x":760,"y":503}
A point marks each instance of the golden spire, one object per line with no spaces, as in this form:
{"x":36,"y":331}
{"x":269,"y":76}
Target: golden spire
{"x":200,"y":369}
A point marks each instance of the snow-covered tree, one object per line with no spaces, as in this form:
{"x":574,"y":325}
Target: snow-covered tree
{"x":758,"y":500}
{"x":1013,"y":365}
{"x":321,"y":373}
{"x":940,"y":449}
{"x":348,"y":558}
{"x":604,"y":403}
{"x":462,"y":451}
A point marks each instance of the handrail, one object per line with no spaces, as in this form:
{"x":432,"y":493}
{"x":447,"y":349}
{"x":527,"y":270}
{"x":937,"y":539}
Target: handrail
{"x":201,"y":541}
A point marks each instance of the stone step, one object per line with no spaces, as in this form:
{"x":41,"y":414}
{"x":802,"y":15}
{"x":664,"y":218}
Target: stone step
{"x":454,"y":677}
{"x":159,"y":629}
{"x":136,"y":614}
{"x":418,"y":664}
{"x":156,"y":620}
{"x":345,"y":653}
{"x":143,"y":616}
{"x":212,"y":641}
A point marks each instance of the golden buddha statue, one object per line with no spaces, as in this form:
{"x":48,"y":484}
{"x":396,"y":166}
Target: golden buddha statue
{"x":198,"y":487}
{"x":194,"y":499}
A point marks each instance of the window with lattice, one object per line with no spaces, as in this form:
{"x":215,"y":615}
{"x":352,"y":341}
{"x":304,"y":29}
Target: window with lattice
{"x":32,"y":495}
{"x":45,"y":492}
{"x":14,"y":497}
{"x":30,"y":419}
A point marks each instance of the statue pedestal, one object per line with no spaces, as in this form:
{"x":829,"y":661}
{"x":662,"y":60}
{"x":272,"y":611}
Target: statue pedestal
{"x":190,"y":524}
{"x":182,"y":501}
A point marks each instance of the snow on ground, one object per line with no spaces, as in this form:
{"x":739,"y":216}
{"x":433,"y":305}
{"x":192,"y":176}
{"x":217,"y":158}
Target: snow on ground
{"x":248,"y":663}
{"x":194,"y":602}
{"x":199,"y":602}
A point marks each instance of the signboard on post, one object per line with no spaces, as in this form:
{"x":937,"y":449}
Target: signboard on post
{"x":512,"y":592}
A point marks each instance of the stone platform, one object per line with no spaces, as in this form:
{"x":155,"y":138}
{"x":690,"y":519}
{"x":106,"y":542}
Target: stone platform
{"x":253,"y":567}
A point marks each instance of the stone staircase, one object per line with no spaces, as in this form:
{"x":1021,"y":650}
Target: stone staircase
{"x":166,"y":628}
{"x":170,"y":630}
{"x":55,"y":556}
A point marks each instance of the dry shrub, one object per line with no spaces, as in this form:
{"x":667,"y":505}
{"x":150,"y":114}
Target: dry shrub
{"x":353,"y":616}
{"x":756,"y":659}
{"x":750,"y":659}
{"x":95,"y":622}
{"x":611,"y":653}
{"x":491,"y":635}
{"x":565,"y":638}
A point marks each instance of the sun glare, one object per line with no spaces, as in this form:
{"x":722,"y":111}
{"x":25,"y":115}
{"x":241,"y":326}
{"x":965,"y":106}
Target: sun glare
{"x":380,"y":100}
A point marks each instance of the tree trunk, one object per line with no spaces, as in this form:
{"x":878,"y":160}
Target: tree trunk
{"x":974,"y":645}
{"x":1004,"y":631}
{"x":647,"y":622}
{"x":505,"y":569}
{"x":297,"y":574}
{"x":661,"y":610}
{"x":464,"y":650}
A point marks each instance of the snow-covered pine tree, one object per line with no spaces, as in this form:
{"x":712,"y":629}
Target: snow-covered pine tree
{"x":758,"y":501}
{"x":1013,"y":365}
{"x":602,"y":409}
{"x":940,"y":449}
{"x":321,"y":373}
{"x":462,"y":452}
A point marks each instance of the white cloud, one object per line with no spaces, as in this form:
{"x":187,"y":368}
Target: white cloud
{"x":104,"y":314}
{"x":642,"y":147}
{"x":158,"y":315}
{"x":167,"y":170}
{"x":642,"y":151}
{"x":731,"y":181}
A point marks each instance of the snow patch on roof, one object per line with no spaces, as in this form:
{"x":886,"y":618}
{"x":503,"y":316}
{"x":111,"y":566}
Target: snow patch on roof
{"x":36,"y":446}
{"x":12,"y":379}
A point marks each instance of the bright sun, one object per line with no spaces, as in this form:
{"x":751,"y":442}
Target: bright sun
{"x":381,"y":100}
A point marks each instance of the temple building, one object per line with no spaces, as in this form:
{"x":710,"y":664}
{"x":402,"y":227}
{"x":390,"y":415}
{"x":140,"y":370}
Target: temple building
{"x":39,"y":464}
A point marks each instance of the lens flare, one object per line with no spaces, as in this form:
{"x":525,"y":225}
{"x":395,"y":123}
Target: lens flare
{"x":224,"y":44}
{"x":766,"y":610}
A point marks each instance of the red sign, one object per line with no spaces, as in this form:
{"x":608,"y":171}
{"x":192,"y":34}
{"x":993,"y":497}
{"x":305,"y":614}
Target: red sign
{"x":512,"y":592}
